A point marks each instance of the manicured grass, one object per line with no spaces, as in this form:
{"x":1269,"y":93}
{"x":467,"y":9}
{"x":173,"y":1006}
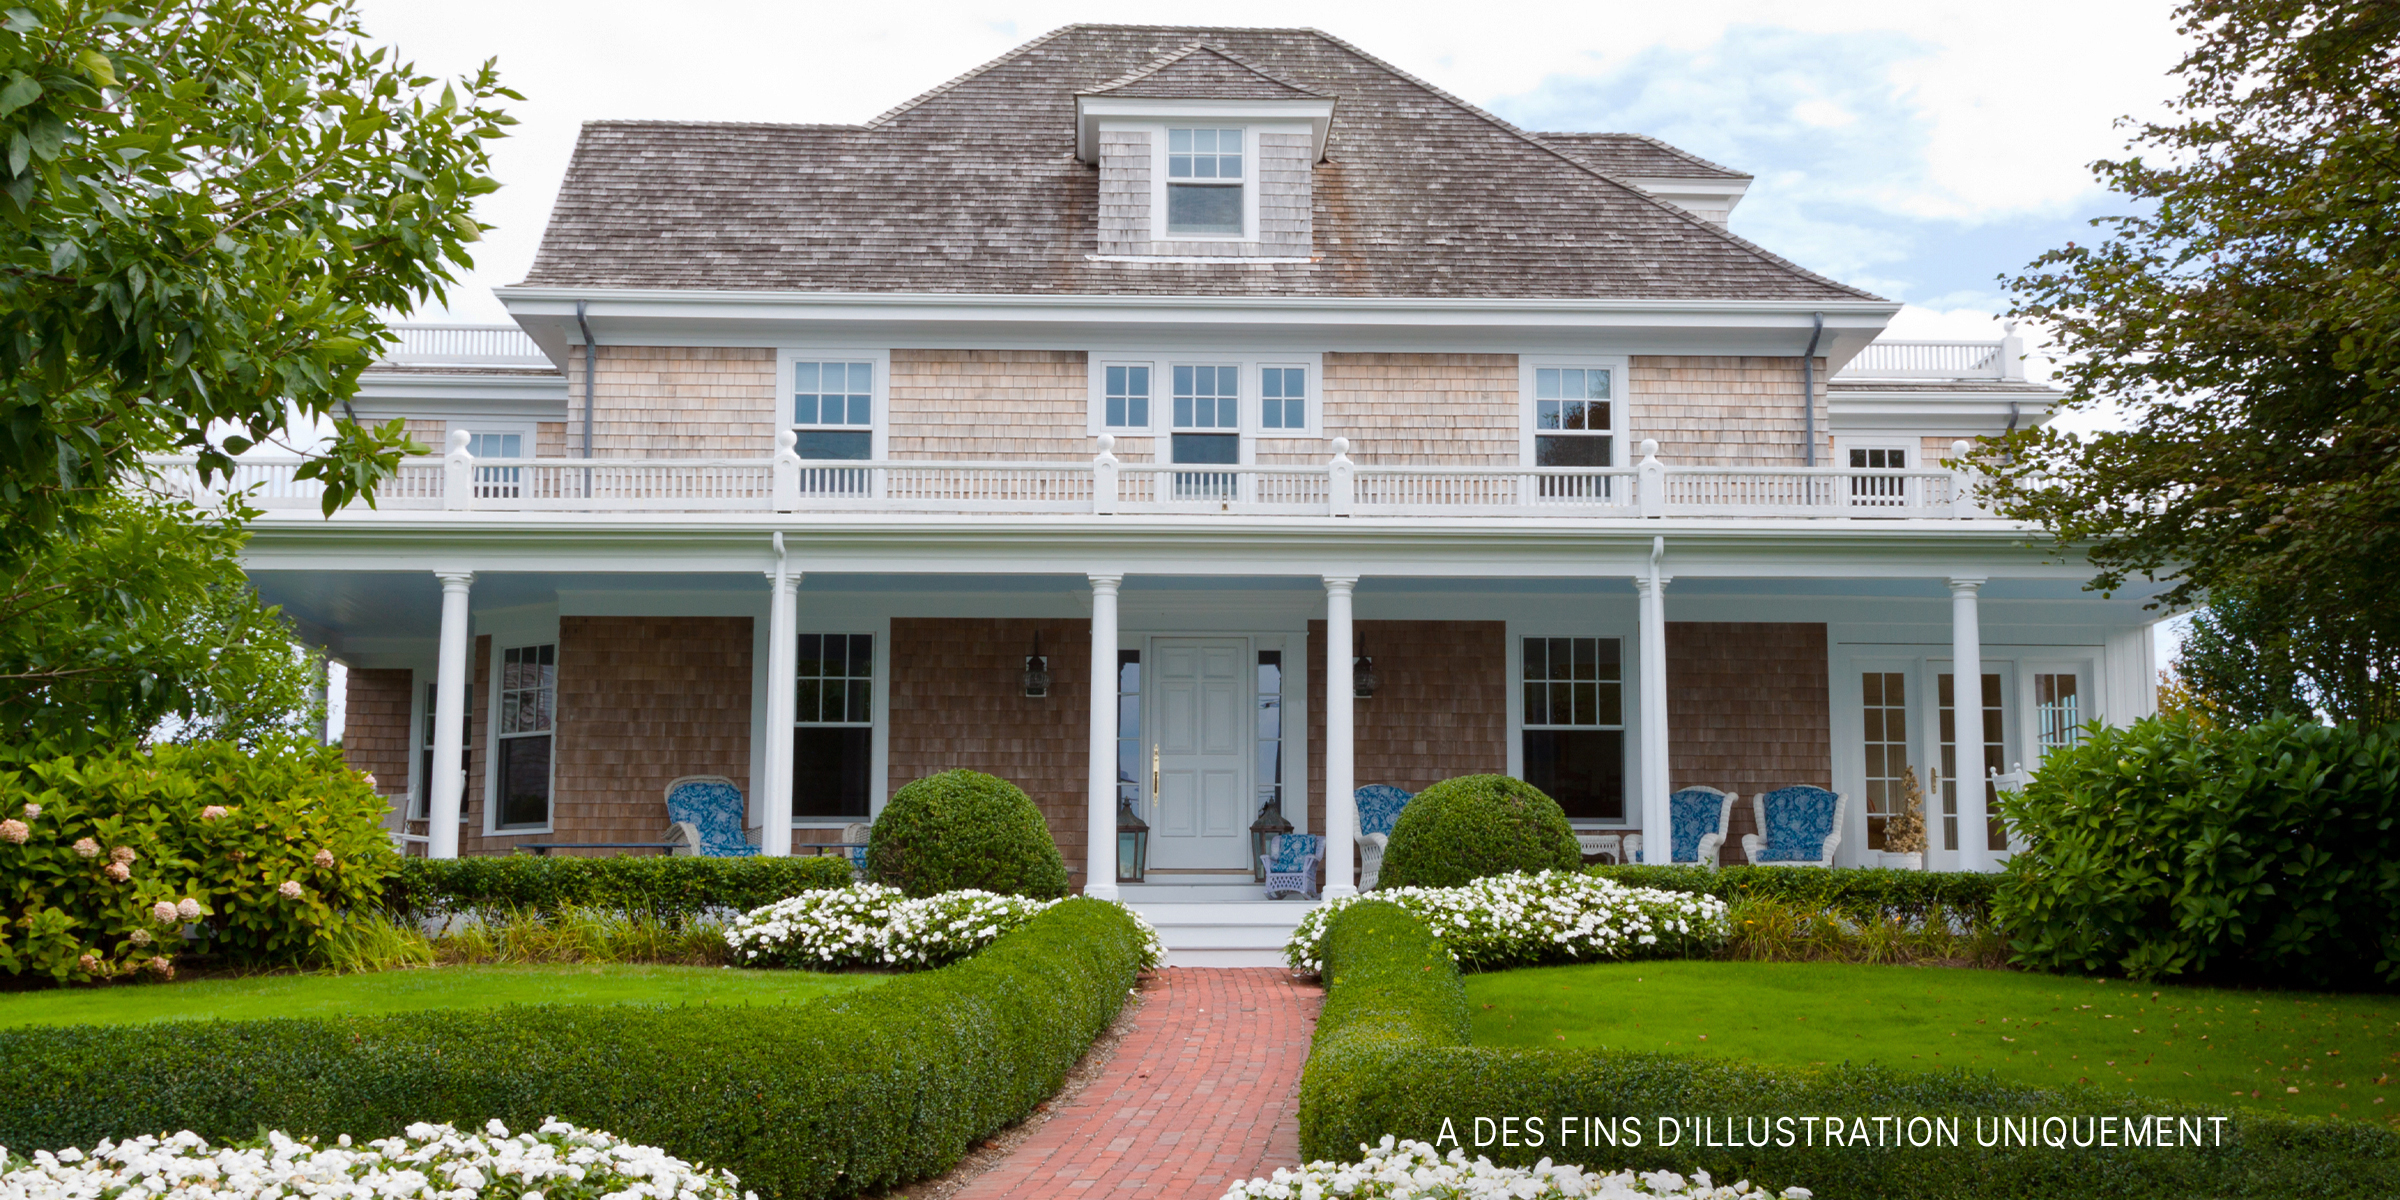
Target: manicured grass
{"x":376,"y":992}
{"x":2291,"y":1052}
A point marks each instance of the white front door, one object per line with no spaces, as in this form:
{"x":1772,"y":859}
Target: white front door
{"x":1199,"y":696}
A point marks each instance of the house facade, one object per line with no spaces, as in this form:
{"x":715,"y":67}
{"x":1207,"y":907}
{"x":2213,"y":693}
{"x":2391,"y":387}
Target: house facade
{"x":1301,"y":426}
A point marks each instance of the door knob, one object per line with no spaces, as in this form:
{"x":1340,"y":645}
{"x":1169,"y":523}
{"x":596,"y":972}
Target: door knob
{"x":1154,"y":778}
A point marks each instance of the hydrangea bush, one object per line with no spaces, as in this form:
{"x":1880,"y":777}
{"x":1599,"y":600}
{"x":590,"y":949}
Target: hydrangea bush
{"x":1416,"y":1171}
{"x":871,"y":925}
{"x":557,"y":1162}
{"x":1519,"y":920}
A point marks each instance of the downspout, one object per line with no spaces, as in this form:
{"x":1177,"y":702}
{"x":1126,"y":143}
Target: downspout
{"x":1808,"y":386}
{"x":591,"y":357}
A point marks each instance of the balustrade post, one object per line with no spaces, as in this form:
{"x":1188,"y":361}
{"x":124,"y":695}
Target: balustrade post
{"x":786,"y":471}
{"x":1962,"y":482}
{"x":1104,"y":488}
{"x":1651,"y":490}
{"x":458,"y":474}
{"x":1341,"y":479}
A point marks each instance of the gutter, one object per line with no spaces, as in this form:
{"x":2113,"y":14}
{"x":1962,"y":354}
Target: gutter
{"x":591,"y":359}
{"x":1808,"y":385}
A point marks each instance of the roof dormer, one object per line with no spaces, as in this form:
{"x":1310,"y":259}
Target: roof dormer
{"x":1202,"y":155}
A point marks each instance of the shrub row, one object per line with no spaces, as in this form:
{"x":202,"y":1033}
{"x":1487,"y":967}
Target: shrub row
{"x":671,"y":889}
{"x":1854,"y":891}
{"x":1391,"y":1057}
{"x":856,"y":1093}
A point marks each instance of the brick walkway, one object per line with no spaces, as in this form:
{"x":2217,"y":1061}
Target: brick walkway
{"x":1203,"y":1093}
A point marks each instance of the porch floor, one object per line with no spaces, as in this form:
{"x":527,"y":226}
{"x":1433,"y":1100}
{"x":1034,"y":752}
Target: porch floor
{"x":1217,"y":921}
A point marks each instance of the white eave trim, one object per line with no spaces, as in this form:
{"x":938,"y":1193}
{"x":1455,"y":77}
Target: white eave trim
{"x":1091,"y":110}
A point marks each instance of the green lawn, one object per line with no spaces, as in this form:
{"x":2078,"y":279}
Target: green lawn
{"x":407,"y":991}
{"x":2292,"y":1052}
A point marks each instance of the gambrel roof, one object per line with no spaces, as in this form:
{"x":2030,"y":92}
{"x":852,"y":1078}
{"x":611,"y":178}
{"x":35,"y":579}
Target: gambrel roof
{"x":974,"y":188}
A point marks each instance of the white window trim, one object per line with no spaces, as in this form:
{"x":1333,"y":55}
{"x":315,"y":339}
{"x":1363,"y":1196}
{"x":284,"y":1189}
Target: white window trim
{"x":1628,"y":709}
{"x":878,"y":717}
{"x":1162,"y":364}
{"x":1913,"y":447}
{"x":1158,"y":182}
{"x":1626,"y":451}
{"x":502,"y":425}
{"x":786,"y":387}
{"x":491,"y":766}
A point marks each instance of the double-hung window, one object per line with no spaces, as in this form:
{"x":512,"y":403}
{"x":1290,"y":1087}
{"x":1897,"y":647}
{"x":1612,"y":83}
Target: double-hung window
{"x":1571,"y":417}
{"x":1574,"y":724}
{"x":1879,"y":483}
{"x":833,"y":742}
{"x":1204,"y":182}
{"x":1208,"y":421}
{"x":833,"y":409}
{"x":528,"y":713}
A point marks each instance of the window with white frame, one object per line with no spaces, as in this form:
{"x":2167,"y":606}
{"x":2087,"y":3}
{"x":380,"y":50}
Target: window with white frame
{"x":833,"y":739}
{"x":1210,"y":398}
{"x":528,"y":707}
{"x":1972,"y":769}
{"x":2057,"y":710}
{"x":1208,"y":421}
{"x":421,"y":808}
{"x":1283,"y":399}
{"x":497,"y":483}
{"x":1878,"y":481}
{"x":1125,"y":396}
{"x":1204,"y":182}
{"x":1574,"y":723}
{"x":1883,"y":705}
{"x":1573,"y":423}
{"x":833,"y":408}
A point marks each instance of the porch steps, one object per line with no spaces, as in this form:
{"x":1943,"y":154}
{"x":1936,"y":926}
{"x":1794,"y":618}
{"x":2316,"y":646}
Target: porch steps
{"x":1217,"y":924}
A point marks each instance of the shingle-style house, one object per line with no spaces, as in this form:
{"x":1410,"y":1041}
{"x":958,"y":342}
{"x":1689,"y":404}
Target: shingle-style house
{"x":1307,"y":427}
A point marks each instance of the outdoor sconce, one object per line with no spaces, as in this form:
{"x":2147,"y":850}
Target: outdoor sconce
{"x":1363,"y":679}
{"x":1037,"y":670}
{"x":1133,"y":842}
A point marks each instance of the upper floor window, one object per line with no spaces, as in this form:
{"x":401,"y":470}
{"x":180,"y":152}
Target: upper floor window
{"x":833,"y":409}
{"x":1204,"y":181}
{"x":1283,"y":398}
{"x":1571,"y":417}
{"x":1128,"y":397}
{"x":1879,"y":489}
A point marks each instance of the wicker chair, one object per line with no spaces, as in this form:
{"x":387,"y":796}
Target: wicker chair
{"x":1379,"y":806}
{"x":1291,"y":863}
{"x":707,"y":812}
{"x":1799,"y":827}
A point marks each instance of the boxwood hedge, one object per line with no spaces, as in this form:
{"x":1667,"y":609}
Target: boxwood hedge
{"x":1472,"y":826}
{"x":1391,"y":1055}
{"x":1857,"y":891}
{"x":855,"y":1093}
{"x":671,"y":889}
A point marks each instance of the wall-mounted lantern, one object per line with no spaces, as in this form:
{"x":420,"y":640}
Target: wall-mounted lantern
{"x":1363,"y":679}
{"x":1133,"y":842}
{"x":1037,"y":670}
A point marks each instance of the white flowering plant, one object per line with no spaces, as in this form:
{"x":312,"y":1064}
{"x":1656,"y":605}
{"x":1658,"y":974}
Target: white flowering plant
{"x":1407,"y":1170}
{"x":429,"y":1162}
{"x":1519,"y":920}
{"x":871,"y":925}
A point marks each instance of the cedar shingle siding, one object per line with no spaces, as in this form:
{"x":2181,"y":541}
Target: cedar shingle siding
{"x":642,"y":700}
{"x":375,"y":725}
{"x":1747,"y":711}
{"x":677,"y":401}
{"x":1002,"y":404}
{"x":1441,"y":709}
{"x":1724,"y":411}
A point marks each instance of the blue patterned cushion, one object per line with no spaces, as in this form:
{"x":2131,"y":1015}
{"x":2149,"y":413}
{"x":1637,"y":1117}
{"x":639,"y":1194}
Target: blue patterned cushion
{"x":716,"y":810}
{"x":1799,"y":819}
{"x":1379,"y":805}
{"x":1291,"y":852}
{"x":1694,"y":813}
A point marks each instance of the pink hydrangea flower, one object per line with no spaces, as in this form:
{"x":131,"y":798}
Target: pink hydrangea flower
{"x":163,"y":965}
{"x":139,"y":937}
{"x":370,"y":779}
{"x":163,"y":912}
{"x":122,"y":854}
{"x":14,"y":830}
{"x":86,"y":848}
{"x":290,"y":889}
{"x":90,"y":964}
{"x":323,"y":858}
{"x":188,"y":909}
{"x":212,"y":812}
{"x":32,"y":811}
{"x":118,"y":871}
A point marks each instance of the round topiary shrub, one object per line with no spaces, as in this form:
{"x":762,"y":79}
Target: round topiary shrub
{"x":965,"y":829}
{"x":1463,"y":829}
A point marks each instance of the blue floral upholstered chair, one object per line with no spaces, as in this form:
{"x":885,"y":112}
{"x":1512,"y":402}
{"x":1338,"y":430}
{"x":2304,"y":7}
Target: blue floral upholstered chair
{"x":707,"y":813}
{"x":1801,"y":826}
{"x":1379,"y":806}
{"x":1291,"y":863}
{"x":1699,"y":817}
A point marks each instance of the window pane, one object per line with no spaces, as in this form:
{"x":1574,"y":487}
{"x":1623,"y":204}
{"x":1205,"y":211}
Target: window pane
{"x":829,"y":771}
{"x":1582,"y":769}
{"x":835,"y":444}
{"x":524,"y":782}
{"x":1211,"y":448}
{"x":1204,"y":208}
{"x":1546,"y":383}
{"x":1179,"y":141}
{"x":1884,"y":699}
{"x":1537,"y":704}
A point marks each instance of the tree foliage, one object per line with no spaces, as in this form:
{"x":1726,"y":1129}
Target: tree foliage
{"x":2245,"y":319}
{"x":202,"y":204}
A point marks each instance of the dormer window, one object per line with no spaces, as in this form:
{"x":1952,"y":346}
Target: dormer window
{"x":1204,"y":181}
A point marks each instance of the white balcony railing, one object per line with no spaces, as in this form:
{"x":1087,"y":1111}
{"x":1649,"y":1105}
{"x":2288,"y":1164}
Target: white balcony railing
{"x":464,"y":346}
{"x":2002,"y":359}
{"x":783,"y":482}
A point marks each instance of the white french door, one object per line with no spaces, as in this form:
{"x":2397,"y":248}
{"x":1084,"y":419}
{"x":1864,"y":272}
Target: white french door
{"x":1200,"y":693}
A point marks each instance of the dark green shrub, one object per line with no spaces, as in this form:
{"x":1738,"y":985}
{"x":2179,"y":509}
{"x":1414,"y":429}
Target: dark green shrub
{"x":1463,"y":829}
{"x":860,"y":1092}
{"x":965,"y":829}
{"x":277,"y":849}
{"x":673,"y":890}
{"x":1854,"y":891}
{"x":2265,"y":853}
{"x":1376,"y":1068}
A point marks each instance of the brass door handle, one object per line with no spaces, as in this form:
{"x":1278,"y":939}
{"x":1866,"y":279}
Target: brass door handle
{"x":1154,"y":778}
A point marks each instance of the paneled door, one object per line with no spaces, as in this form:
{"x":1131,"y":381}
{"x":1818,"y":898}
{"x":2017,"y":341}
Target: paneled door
{"x":1200,"y":694}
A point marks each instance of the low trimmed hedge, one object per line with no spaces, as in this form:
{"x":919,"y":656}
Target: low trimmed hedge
{"x":855,"y":1093}
{"x":673,"y":889}
{"x":1391,"y":1057}
{"x":1855,"y":891}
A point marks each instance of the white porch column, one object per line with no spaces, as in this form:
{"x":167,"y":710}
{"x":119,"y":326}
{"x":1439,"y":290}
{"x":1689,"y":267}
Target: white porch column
{"x":1341,"y":769}
{"x":1658,"y":841}
{"x":451,"y":673}
{"x":1966,"y":699}
{"x":783,"y":661}
{"x":1100,"y":839}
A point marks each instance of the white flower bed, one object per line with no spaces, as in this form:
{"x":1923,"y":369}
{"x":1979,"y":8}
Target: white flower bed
{"x":1416,"y":1171}
{"x":1518,"y":920}
{"x":871,"y":925}
{"x":432,"y":1162}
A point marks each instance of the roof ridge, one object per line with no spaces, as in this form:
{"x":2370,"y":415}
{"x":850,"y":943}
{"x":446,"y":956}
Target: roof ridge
{"x":1172,"y":57}
{"x":954,"y":81}
{"x":1669,"y":147}
{"x":669,"y":123}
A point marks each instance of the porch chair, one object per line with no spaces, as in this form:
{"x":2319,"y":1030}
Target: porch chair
{"x":1697,"y":818}
{"x":1291,"y":862}
{"x":1799,"y":827}
{"x":1603,"y":847}
{"x":2010,"y":781}
{"x":1379,"y":806}
{"x":706,"y":811}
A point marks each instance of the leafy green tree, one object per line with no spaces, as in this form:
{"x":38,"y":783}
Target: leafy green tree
{"x":142,"y":623}
{"x":202,"y":205}
{"x":2245,"y":319}
{"x":2243,"y":662}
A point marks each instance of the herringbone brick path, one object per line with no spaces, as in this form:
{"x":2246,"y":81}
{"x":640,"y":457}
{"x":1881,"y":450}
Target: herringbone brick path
{"x":1202,"y":1094}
